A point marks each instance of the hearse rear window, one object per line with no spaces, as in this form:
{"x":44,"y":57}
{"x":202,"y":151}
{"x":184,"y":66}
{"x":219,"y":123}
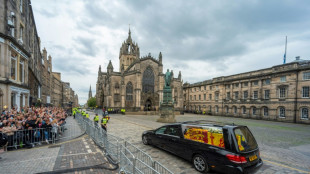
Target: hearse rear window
{"x":204,"y":134}
{"x":245,"y":139}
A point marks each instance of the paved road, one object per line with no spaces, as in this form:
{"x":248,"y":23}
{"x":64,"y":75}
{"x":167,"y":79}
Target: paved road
{"x":285,"y":147}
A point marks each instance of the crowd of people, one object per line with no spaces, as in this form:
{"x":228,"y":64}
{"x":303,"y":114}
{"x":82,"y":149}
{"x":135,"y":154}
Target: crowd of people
{"x":32,"y":125}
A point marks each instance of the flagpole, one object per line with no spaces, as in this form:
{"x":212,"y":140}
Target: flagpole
{"x":284,"y":58}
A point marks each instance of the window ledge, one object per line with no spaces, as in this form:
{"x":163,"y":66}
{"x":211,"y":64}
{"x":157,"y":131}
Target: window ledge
{"x":304,"y":118}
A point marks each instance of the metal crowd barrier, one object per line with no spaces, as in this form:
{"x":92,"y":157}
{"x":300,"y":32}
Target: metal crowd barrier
{"x":37,"y":136}
{"x":130,"y":158}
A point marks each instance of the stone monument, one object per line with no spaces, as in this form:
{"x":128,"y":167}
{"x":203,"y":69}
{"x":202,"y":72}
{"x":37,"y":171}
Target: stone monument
{"x":166,"y":109}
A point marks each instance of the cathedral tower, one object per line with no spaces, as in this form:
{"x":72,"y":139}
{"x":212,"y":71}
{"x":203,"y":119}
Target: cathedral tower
{"x":90,"y":95}
{"x":128,"y":53}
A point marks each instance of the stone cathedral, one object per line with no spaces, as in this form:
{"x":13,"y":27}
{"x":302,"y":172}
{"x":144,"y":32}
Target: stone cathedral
{"x":138,"y":86}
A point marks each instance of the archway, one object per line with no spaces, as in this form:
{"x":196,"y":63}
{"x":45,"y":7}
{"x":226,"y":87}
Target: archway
{"x":148,"y":105}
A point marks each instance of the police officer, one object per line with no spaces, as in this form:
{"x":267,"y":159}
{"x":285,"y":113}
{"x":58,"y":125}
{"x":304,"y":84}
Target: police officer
{"x":74,"y":112}
{"x":87,"y":115}
{"x":96,"y":118}
{"x":107,"y":116}
{"x":104,"y":123}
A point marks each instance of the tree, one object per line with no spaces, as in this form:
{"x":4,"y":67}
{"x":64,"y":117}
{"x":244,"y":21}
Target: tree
{"x":91,"y":102}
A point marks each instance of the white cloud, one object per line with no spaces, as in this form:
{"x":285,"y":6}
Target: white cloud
{"x":203,"y":39}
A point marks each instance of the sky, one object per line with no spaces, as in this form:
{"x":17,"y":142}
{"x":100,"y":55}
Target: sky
{"x":203,"y":39}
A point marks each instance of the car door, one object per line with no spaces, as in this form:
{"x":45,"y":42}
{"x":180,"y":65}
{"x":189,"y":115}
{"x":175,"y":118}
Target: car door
{"x":159,"y":138}
{"x":176,"y":143}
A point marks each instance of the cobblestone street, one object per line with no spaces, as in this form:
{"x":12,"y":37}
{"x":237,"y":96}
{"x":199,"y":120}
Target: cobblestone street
{"x":80,"y":155}
{"x":284,"y":146}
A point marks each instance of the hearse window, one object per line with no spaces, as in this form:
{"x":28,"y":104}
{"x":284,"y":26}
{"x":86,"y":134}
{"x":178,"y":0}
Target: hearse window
{"x":211,"y":135}
{"x":161,"y":130}
{"x":173,"y":130}
{"x":245,"y":139}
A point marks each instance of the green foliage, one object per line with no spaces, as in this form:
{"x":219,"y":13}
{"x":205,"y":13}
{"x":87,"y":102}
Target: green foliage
{"x":91,"y":102}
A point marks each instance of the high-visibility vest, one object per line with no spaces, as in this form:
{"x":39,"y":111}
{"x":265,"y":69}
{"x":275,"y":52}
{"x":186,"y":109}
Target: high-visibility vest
{"x":104,"y":121}
{"x":87,"y":116}
{"x":96,"y":118}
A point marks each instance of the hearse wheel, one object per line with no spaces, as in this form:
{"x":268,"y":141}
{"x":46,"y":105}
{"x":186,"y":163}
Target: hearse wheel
{"x":200,"y":164}
{"x":144,"y":140}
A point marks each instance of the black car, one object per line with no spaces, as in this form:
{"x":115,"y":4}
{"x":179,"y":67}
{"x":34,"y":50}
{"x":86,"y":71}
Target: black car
{"x":222,"y":148}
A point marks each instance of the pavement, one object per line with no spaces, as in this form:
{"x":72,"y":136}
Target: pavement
{"x":284,"y":146}
{"x":74,"y":153}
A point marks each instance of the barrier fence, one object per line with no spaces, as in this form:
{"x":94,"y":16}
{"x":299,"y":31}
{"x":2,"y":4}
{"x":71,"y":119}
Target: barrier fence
{"x":130,"y":158}
{"x":37,"y":136}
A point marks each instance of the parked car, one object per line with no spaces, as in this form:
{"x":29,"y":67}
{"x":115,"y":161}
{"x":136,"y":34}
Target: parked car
{"x":222,"y":148}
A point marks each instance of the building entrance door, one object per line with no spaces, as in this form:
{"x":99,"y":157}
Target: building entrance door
{"x":148,"y":105}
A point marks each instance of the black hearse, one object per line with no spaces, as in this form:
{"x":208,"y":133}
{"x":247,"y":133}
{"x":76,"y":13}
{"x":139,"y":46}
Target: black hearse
{"x":226,"y":148}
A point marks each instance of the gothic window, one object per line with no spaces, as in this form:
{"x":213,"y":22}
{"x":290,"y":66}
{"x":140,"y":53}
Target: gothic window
{"x":148,"y":81}
{"x":129,"y":91}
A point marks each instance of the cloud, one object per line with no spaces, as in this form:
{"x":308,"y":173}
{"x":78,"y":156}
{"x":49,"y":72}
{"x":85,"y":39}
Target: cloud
{"x":203,"y":39}
{"x":86,"y":46}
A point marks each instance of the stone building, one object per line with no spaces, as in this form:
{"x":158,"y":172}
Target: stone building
{"x":278,"y":93}
{"x":46,"y":72}
{"x":69,"y":98}
{"x":57,"y":91}
{"x":20,"y":56}
{"x":76,"y":101}
{"x":138,"y":86}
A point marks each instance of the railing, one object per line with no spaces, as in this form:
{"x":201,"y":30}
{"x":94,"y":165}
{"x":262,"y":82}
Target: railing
{"x":37,"y":136}
{"x":130,"y":158}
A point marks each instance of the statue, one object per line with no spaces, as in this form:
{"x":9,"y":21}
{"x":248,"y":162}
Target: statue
{"x":167,"y":78}
{"x":167,"y":106}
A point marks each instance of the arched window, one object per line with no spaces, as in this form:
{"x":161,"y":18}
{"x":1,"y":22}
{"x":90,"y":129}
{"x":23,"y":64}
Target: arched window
{"x":129,"y":91}
{"x":265,"y":111}
{"x":235,"y":109}
{"x":254,"y":110}
{"x":216,"y":109}
{"x":148,"y":81}
{"x":227,"y":109}
{"x":304,"y":113}
{"x":282,"y":112}
{"x":243,"y":110}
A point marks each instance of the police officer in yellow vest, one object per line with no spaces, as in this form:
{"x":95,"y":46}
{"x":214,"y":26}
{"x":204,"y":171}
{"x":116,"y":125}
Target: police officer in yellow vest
{"x":104,"y":123}
{"x":96,"y":118}
{"x":87,"y":115}
{"x":74,"y":112}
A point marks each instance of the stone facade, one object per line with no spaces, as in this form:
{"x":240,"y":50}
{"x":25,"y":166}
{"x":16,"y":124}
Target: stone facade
{"x":46,"y":71}
{"x":20,"y":57}
{"x":57,"y":92}
{"x":138,"y":86}
{"x":278,"y":93}
{"x":69,"y":98}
